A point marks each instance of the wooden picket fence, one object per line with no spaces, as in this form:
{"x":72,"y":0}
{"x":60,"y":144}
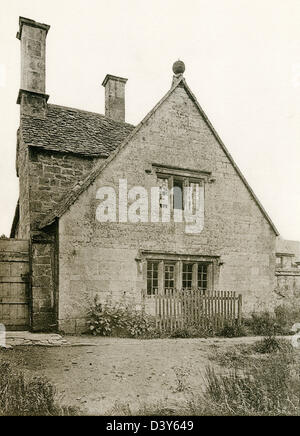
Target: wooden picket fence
{"x":209,"y":310}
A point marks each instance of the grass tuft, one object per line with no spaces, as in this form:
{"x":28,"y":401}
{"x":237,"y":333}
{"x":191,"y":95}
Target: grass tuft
{"x":28,"y":396}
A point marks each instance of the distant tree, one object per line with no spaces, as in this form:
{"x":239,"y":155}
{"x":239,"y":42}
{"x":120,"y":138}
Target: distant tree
{"x":3,"y":236}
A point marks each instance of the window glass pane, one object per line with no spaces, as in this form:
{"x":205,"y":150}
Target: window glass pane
{"x":194,"y":197}
{"x":279,"y":260}
{"x":163,"y":184}
{"x":152,"y":277}
{"x":187,"y":275}
{"x":169,"y":281}
{"x":202,"y":276}
{"x":178,"y":194}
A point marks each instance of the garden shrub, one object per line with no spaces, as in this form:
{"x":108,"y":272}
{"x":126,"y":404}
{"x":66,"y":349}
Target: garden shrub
{"x":182,"y":333}
{"x":278,"y":322}
{"x":192,"y":331}
{"x":286,"y":317}
{"x":106,"y":319}
{"x":232,"y":331}
{"x":271,"y":344}
{"x":263,"y":324}
{"x":121,"y":319}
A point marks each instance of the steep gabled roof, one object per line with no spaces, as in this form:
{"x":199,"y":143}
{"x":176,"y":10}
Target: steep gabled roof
{"x":80,"y":187}
{"x":74,"y":131}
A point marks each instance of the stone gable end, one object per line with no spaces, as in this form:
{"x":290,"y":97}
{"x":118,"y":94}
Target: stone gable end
{"x":105,"y":258}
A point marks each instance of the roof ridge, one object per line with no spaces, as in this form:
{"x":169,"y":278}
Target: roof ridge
{"x":89,"y":112}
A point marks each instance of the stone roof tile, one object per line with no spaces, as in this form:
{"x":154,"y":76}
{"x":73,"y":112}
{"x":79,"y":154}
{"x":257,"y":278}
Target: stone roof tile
{"x":74,"y":131}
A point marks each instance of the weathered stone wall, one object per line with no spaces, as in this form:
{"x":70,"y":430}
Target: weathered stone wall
{"x":43,"y":281}
{"x":33,"y":55}
{"x":287,"y":274}
{"x":115,"y":97}
{"x":288,"y":287}
{"x":288,"y":282}
{"x":51,"y":177}
{"x":44,"y":178}
{"x":23,"y":230}
{"x":101,"y":258}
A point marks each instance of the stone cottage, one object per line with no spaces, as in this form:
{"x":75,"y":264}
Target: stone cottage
{"x":70,"y":162}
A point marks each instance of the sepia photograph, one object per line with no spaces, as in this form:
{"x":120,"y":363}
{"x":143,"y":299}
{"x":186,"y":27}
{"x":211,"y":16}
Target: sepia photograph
{"x":150,"y":211}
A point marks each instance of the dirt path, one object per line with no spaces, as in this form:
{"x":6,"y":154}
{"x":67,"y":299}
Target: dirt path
{"x":96,"y":373}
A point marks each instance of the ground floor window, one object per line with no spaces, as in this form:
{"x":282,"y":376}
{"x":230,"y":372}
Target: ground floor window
{"x":202,"y":276}
{"x":172,"y":184}
{"x":163,"y":275}
{"x":152,"y":277}
{"x":169,"y":276}
{"x":187,"y":275}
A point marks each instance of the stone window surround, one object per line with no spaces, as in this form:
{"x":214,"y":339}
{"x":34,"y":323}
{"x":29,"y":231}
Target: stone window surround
{"x":167,"y":170}
{"x":212,"y":261}
{"x":185,"y":175}
{"x":281,"y":256}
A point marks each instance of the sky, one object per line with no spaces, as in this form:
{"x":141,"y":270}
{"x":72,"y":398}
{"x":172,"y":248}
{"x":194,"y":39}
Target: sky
{"x":242,"y":62}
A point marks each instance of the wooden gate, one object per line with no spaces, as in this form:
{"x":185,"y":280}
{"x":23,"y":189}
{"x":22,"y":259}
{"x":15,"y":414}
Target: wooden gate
{"x":208,"y":310}
{"x":14,"y":284}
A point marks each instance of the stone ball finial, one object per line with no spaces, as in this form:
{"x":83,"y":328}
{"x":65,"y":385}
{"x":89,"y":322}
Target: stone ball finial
{"x":178,"y":67}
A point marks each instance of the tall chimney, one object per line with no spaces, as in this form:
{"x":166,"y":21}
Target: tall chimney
{"x":114,"y":97}
{"x":33,"y":64}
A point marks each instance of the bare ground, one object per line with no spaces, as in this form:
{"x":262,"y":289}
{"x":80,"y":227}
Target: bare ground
{"x":95,"y":373}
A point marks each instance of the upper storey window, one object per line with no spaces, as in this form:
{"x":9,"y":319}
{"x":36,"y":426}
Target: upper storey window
{"x":173,"y":192}
{"x":181,"y":195}
{"x":177,"y":194}
{"x":180,"y":188}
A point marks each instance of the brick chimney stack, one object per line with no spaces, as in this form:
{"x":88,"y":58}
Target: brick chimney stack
{"x":114,"y":97}
{"x":32,"y":95}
